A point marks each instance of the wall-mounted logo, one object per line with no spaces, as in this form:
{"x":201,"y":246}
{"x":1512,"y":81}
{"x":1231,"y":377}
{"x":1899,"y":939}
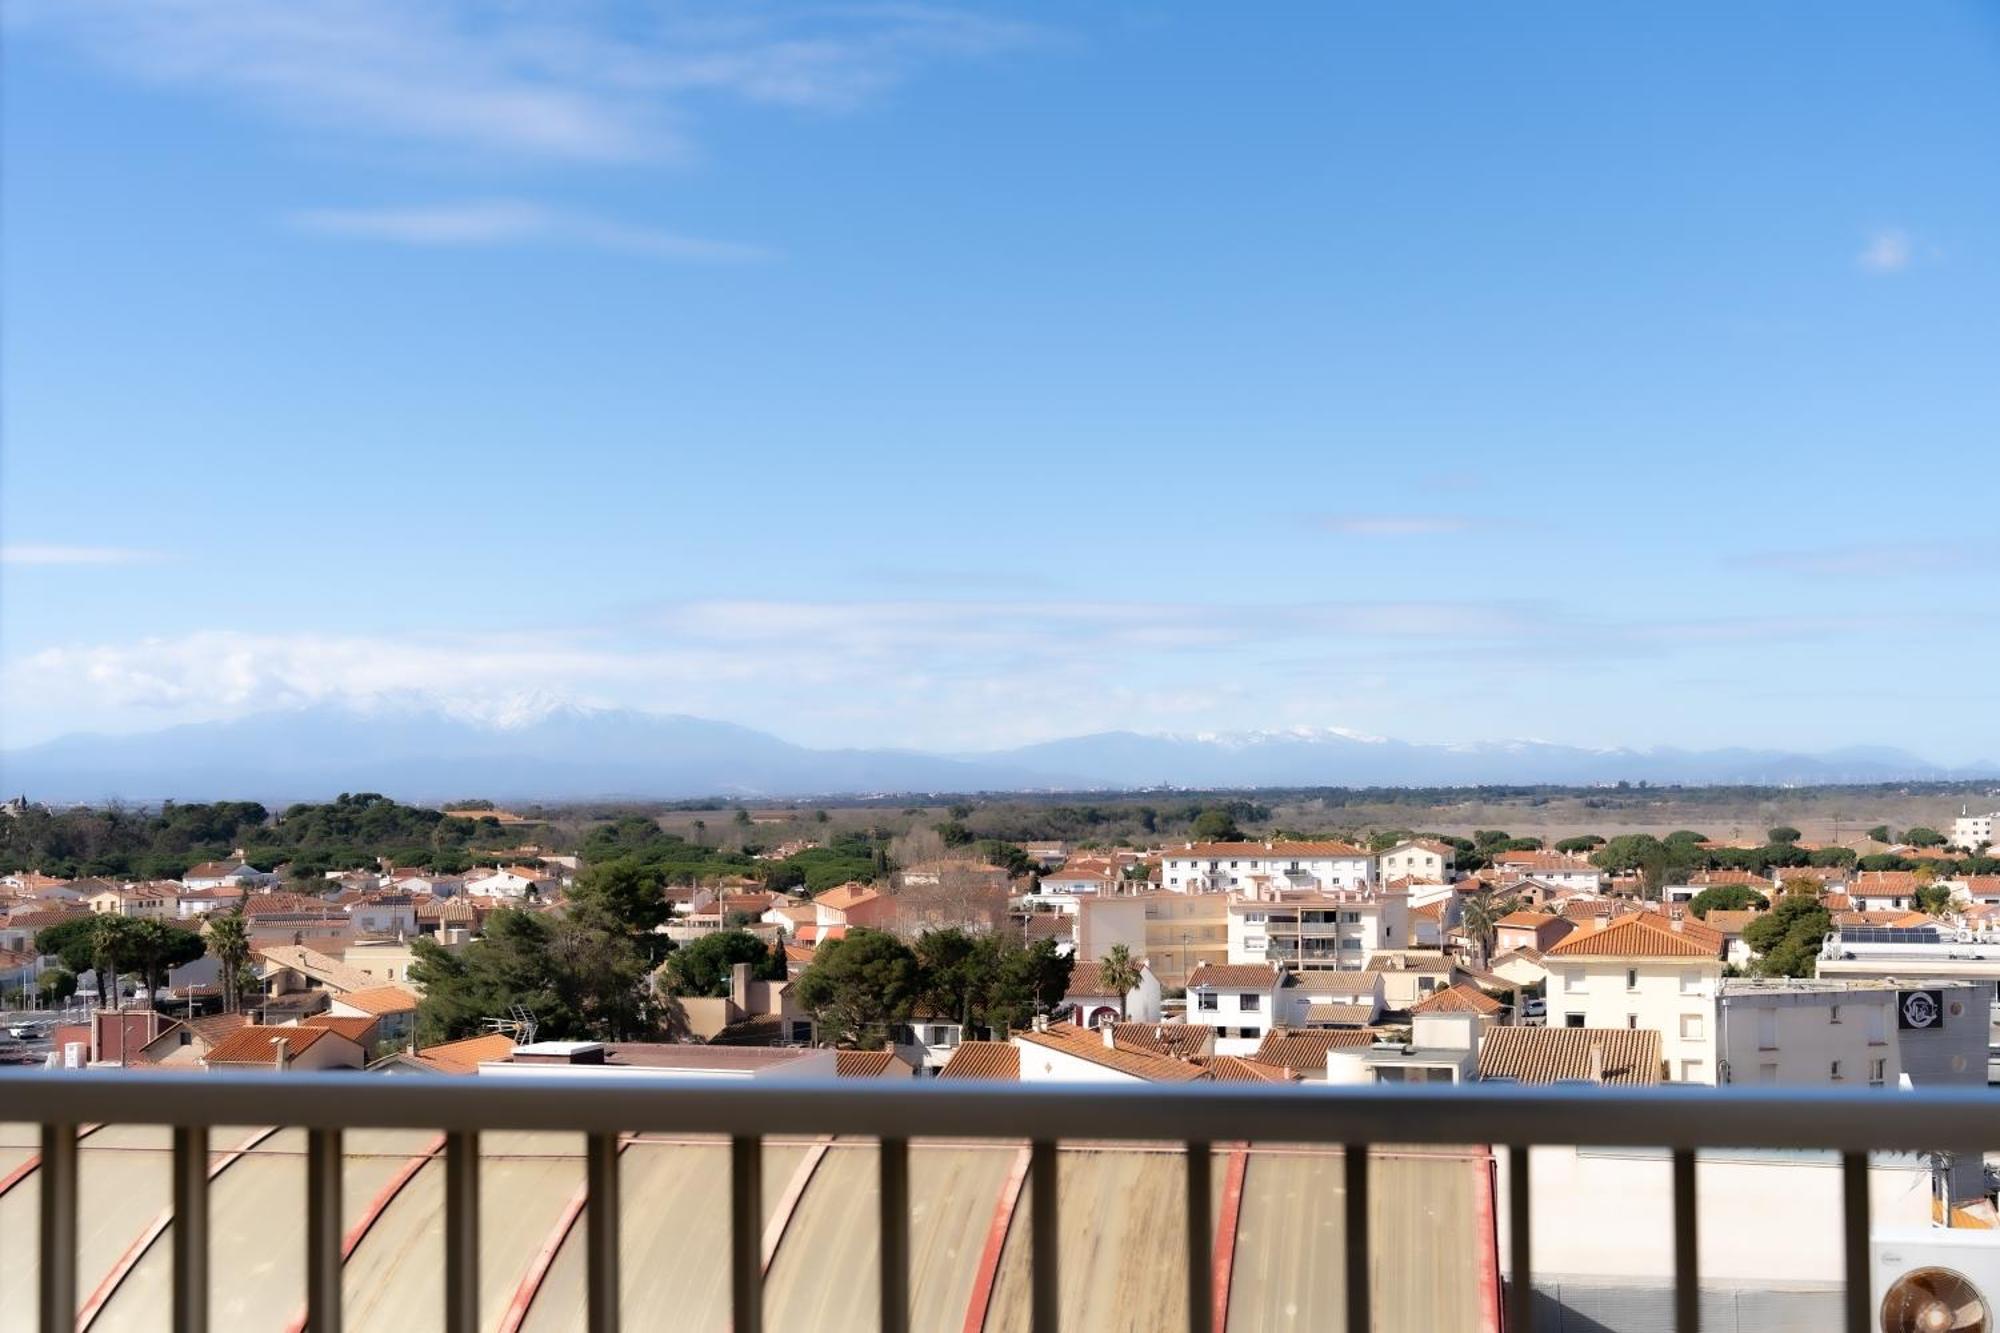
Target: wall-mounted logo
{"x":1919,"y":1009}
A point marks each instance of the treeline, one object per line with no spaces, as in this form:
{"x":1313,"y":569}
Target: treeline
{"x":349,"y":832}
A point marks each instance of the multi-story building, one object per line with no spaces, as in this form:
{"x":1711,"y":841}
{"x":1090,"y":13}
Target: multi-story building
{"x":1299,"y":867}
{"x":1243,"y":1002}
{"x":1319,"y":930}
{"x":1176,"y":932}
{"x":1556,"y":869}
{"x":1642,"y":971}
{"x":1420,"y":858}
{"x":1972,"y":831}
{"x":1852,"y":1033}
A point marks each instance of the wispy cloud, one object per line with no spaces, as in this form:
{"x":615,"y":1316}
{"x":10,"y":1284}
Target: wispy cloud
{"x":33,"y":554}
{"x":500,"y":222}
{"x":1887,"y":251}
{"x":1866,"y":559}
{"x":587,"y":81}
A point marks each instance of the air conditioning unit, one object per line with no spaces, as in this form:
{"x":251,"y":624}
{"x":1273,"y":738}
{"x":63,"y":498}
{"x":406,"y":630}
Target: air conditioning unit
{"x":1936,"y":1281}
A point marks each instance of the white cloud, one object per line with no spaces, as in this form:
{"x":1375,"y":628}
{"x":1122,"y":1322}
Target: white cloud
{"x":32,"y":554}
{"x":1887,"y":251}
{"x":584,"y":81}
{"x":1867,"y":559}
{"x":497,"y":222}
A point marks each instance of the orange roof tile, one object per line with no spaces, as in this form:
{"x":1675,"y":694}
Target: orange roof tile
{"x":984,"y":1060}
{"x":379,"y":1000}
{"x":257,"y":1045}
{"x":1306,"y":1051}
{"x":1074,"y":1041}
{"x":1551,"y":1055}
{"x":1459,"y":999}
{"x":465,"y":1055}
{"x":1641,"y":935}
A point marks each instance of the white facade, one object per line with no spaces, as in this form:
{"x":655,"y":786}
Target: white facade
{"x":1805,"y":1034}
{"x":1972,"y":832}
{"x":1275,"y":866}
{"x":1320,"y":931}
{"x":505,"y":884}
{"x":1673,"y":996}
{"x":1416,"y":860}
{"x":1242,"y":1015}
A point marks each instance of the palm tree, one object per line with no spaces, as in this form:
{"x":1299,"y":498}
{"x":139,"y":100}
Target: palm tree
{"x":1481,"y":919}
{"x":110,"y":950}
{"x":229,"y":941}
{"x":1118,"y":974}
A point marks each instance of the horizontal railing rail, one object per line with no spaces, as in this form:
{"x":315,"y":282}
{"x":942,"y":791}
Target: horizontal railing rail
{"x":604,"y":1107}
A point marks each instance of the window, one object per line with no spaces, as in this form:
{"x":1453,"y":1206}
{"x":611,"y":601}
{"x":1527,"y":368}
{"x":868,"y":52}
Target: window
{"x":1205,"y":1001}
{"x":1878,"y":1071}
{"x":1250,"y":1004}
{"x":1572,"y":1020}
{"x":1632,"y":1021}
{"x":1691,"y":1027}
{"x":1690,"y":983}
{"x":1426,"y":984}
{"x":1834,"y":1073}
{"x":1833,"y":1013}
{"x":1690,"y":1071}
{"x":1767,"y":1029}
{"x":1878,"y":1026}
{"x":1631,"y":978}
{"x":1767,"y":1073}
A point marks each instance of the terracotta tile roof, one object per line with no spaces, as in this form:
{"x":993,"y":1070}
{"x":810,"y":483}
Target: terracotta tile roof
{"x":212,"y":1028}
{"x":1524,"y":952}
{"x":1261,"y":851}
{"x":256,"y":1045}
{"x":360,"y":1031}
{"x":1049,"y":926}
{"x":1641,"y":935}
{"x":1392,"y":960}
{"x":1174,"y":1039}
{"x":984,"y":1059}
{"x":1428,"y":844}
{"x":380,"y":1000}
{"x":869,"y":1064}
{"x":841,"y":897}
{"x":1527,"y":920}
{"x":1874,"y":882}
{"x":1729,"y":921}
{"x":1459,"y":999}
{"x":1714,"y":878}
{"x":1340,"y":1015}
{"x":43,"y":919}
{"x":1305,"y":1052}
{"x":1074,"y":1041}
{"x":1238,"y":976}
{"x":1429,"y":911}
{"x":465,"y":1055}
{"x":1549,"y":1055}
{"x":336,"y":975}
{"x":1236,"y":1069}
{"x":1545,"y":863}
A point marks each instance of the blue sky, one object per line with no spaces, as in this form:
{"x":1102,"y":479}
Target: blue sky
{"x":897,"y":374}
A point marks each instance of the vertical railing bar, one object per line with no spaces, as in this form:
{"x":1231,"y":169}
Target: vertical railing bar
{"x":461,"y":1231}
{"x":601,"y":1225}
{"x":57,"y":1284}
{"x":190,"y":1229}
{"x":1044,"y":1216}
{"x":746,"y":1234}
{"x":1358,"y":1265}
{"x":323,"y":1227}
{"x":1858,"y":1299}
{"x":894,"y":1225}
{"x":1520,"y":1243}
{"x":1200,"y":1262}
{"x":1687,"y":1266}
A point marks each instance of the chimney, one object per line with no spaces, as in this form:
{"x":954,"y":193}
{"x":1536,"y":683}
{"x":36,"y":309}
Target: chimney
{"x":1110,"y":1036}
{"x":1041,"y":1022}
{"x":739,"y":986}
{"x":1597,"y":1062}
{"x":279,"y":1047}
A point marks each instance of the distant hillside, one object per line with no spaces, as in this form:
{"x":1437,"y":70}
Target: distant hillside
{"x":568,"y":753}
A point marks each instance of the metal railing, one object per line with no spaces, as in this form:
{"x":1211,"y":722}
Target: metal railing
{"x":1683,"y":1120}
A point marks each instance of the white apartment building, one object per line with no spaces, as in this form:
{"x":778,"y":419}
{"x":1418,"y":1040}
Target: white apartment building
{"x":1972,"y":832}
{"x":1317,"y":931}
{"x":1241,"y":1001}
{"x":1642,"y":971}
{"x":1555,"y":869}
{"x":1417,"y":859}
{"x":1275,"y":867}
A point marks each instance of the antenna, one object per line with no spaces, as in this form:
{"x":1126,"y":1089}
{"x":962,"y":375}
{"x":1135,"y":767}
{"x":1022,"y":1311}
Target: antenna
{"x":519,"y":1024}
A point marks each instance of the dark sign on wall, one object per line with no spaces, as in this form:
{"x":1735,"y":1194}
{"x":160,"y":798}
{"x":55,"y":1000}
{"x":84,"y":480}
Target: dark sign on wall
{"x":1919,"y":1009}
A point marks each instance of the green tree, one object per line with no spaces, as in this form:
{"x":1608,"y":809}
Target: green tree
{"x":1784,"y":834}
{"x":1582,"y":843}
{"x":1923,"y":837}
{"x":959,"y":971}
{"x":577,"y":974}
{"x":1031,"y":979}
{"x":1827,"y":858}
{"x":55,"y":987}
{"x":1788,"y":937}
{"x":861,"y":987}
{"x":229,"y":940}
{"x":158,"y":947}
{"x":703,"y":967}
{"x":1729,"y":898}
{"x":1118,"y":972}
{"x":1933,"y":899}
{"x":1882,"y":833}
{"x":1216,"y":824}
{"x":101,"y":945}
{"x":628,"y":890}
{"x":1480,"y":916}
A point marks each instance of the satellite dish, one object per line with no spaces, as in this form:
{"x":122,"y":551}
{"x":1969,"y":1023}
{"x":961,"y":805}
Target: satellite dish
{"x":1935,"y":1300}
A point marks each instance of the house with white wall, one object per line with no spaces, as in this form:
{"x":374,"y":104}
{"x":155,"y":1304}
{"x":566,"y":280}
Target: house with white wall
{"x":1313,"y":931}
{"x":1301,"y":867}
{"x":1642,"y":970}
{"x":1241,"y":1001}
{"x":1420,"y":858}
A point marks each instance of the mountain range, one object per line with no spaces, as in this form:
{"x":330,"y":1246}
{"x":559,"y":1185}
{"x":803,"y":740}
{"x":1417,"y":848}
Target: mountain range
{"x":563,"y":752}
